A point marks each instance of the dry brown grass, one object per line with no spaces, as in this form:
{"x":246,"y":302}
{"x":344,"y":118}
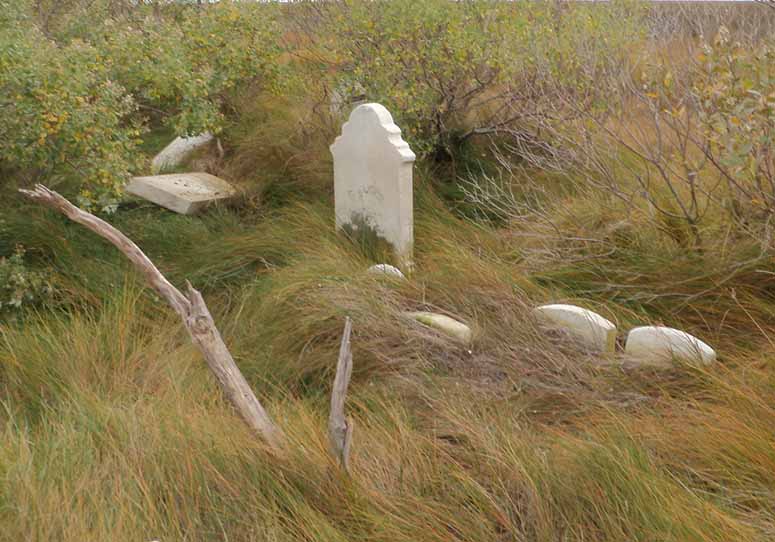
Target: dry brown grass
{"x":112,"y":428}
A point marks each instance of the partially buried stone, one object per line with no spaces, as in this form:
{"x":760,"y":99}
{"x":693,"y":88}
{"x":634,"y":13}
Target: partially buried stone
{"x":445,"y":324}
{"x":587,"y":326}
{"x":386,"y":269}
{"x":174,"y":154}
{"x":659,"y":345}
{"x":184,"y":193}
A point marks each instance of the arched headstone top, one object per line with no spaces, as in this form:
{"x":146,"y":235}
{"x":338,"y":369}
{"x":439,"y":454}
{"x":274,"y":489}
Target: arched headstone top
{"x":364,"y":126}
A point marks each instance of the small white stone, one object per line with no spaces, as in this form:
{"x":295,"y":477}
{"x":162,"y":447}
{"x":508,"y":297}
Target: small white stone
{"x":373,"y":179}
{"x":386,"y":269}
{"x":584,"y":324}
{"x":443,"y":323}
{"x":661,"y":344}
{"x":184,"y":193}
{"x":176,"y":152}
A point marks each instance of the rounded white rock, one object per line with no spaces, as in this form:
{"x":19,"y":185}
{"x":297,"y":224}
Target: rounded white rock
{"x":178,"y":151}
{"x":586,"y":325}
{"x":386,"y":269}
{"x":661,"y":344}
{"x":445,"y":324}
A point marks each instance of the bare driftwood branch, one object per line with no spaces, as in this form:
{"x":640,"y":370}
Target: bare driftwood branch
{"x":205,"y":335}
{"x":191,"y":308}
{"x":340,"y":428}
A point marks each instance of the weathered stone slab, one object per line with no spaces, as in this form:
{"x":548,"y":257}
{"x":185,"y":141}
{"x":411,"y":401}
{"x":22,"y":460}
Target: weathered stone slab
{"x":445,"y":324}
{"x":386,"y":269}
{"x":373,"y":179}
{"x":184,"y":193}
{"x":176,"y":152}
{"x":586,"y":325}
{"x":659,"y":345}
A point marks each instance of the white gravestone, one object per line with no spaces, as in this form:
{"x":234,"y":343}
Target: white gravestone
{"x":584,"y":324}
{"x":373,"y":179}
{"x":443,"y":323}
{"x":178,"y":151}
{"x":661,"y":344}
{"x":184,"y":193}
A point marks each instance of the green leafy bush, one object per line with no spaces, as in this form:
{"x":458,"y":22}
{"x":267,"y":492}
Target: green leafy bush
{"x":185,"y":69}
{"x":76,"y":100}
{"x":450,"y":71}
{"x":19,"y":285}
{"x":736,"y":99}
{"x":63,"y":117}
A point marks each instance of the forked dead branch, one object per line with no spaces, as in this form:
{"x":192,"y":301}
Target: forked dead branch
{"x":201,"y":327}
{"x":190,"y":307}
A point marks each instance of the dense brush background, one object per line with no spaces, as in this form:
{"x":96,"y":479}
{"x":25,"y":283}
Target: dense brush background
{"x":617,"y":156}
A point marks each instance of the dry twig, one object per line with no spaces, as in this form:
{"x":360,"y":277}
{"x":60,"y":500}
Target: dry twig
{"x":340,"y":428}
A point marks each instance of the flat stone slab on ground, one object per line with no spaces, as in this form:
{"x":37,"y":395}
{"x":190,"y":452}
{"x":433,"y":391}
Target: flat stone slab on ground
{"x":443,"y":323}
{"x":178,"y":150}
{"x":658,"y":345}
{"x":585,"y":324}
{"x":184,"y":193}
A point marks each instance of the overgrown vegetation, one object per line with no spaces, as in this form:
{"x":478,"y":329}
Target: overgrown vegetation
{"x":567,"y":153}
{"x":482,"y":68}
{"x":77,"y":100}
{"x":20,"y":286}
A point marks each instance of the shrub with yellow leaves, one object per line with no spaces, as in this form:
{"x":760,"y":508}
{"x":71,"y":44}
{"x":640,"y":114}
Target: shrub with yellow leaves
{"x":736,"y":99}
{"x":63,"y":118}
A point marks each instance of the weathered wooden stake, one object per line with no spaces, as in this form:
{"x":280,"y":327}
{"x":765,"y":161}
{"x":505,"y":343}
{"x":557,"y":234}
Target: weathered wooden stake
{"x":340,"y":428}
{"x":191,"y":308}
